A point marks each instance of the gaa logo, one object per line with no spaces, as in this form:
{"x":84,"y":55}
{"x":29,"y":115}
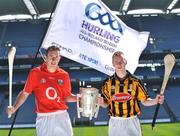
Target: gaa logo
{"x":93,"y":11}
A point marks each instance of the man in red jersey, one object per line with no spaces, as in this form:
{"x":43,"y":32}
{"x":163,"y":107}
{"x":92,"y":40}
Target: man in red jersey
{"x":52,"y":89}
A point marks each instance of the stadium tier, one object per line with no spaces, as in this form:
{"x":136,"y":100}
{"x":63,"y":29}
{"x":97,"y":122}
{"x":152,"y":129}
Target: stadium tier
{"x":26,"y":37}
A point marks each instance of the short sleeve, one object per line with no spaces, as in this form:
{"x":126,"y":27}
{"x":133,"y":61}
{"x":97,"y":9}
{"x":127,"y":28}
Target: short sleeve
{"x":31,"y":82}
{"x":105,"y":93}
{"x":66,"y":86}
{"x":142,"y":92}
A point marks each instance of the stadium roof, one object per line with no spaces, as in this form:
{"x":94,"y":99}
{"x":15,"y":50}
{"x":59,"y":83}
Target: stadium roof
{"x":34,"y":9}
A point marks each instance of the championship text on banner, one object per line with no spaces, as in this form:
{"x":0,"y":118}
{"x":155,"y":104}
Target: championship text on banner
{"x":87,"y":32}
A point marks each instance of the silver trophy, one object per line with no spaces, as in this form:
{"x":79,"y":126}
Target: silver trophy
{"x":87,"y":104}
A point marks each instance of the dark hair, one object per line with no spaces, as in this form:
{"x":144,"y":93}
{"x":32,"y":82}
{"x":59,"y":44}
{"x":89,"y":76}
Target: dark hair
{"x":52,"y":48}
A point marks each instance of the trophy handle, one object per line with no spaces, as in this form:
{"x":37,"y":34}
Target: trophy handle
{"x":77,"y":104}
{"x":97,"y":108}
{"x":90,"y":117}
{"x":92,"y":114}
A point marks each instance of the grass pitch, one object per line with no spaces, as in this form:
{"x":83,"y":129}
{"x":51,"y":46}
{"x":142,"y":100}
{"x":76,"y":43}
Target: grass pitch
{"x":167,"y":129}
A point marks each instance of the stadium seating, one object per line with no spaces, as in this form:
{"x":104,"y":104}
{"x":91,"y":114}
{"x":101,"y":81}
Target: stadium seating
{"x":27,"y":36}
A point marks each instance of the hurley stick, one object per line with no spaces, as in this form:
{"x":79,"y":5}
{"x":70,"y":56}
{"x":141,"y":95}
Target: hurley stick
{"x":169,"y":61}
{"x":11,"y":55}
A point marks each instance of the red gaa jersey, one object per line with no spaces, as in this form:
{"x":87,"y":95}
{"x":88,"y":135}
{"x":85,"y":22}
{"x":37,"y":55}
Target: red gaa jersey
{"x":50,"y":89}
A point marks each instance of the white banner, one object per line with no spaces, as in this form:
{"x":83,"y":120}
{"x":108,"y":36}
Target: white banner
{"x":87,"y":32}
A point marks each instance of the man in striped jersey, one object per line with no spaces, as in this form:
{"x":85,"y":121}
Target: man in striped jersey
{"x":121,"y":93}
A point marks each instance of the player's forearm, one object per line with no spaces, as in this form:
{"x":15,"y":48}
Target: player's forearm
{"x":102,"y":103}
{"x":71,"y":98}
{"x":149,"y":102}
{"x":21,"y":98}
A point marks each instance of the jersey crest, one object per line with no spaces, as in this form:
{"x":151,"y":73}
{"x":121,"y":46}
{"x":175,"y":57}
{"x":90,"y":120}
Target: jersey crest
{"x":130,"y":88}
{"x":112,"y":89}
{"x":60,"y":81}
{"x":43,"y":80}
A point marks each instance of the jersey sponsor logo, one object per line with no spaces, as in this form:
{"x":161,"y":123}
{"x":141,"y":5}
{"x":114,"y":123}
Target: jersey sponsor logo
{"x":121,"y":97}
{"x":51,"y":94}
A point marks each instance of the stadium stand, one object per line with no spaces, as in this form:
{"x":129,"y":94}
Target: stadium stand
{"x":26,"y":36}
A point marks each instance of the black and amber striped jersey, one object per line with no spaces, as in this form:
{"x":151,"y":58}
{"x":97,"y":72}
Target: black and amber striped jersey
{"x":123,"y":95}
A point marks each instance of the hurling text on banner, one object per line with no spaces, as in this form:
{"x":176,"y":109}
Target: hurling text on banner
{"x":87,"y":32}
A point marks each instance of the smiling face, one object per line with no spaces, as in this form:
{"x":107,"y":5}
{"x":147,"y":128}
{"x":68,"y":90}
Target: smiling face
{"x":118,"y":61}
{"x":52,"y":58}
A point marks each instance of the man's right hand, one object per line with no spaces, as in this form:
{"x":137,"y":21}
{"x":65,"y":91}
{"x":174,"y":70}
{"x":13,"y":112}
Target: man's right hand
{"x":21,"y":98}
{"x":10,"y":110}
{"x":101,"y":102}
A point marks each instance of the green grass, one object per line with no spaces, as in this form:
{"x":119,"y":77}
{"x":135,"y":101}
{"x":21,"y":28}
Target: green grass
{"x":168,"y":129}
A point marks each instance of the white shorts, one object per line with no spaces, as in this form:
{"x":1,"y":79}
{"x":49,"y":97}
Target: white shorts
{"x":124,"y":126}
{"x":54,"y":124}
